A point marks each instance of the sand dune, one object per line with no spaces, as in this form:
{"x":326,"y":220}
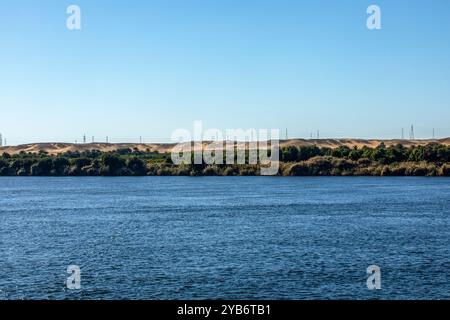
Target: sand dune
{"x":334,"y":143}
{"x":58,"y":147}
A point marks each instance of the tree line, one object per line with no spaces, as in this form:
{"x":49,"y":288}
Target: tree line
{"x":384,"y":155}
{"x":397,"y":160}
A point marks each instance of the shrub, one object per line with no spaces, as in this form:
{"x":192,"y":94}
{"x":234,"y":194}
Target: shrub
{"x":136,"y":166}
{"x":298,"y":169}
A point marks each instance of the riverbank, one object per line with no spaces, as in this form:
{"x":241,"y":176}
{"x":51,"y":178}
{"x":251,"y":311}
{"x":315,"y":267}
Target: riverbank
{"x":395,"y":160}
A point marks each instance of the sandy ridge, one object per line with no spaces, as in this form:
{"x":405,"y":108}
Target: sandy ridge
{"x":60,"y":147}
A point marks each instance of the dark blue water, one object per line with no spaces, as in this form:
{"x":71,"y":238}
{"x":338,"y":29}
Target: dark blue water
{"x":225,"y":237}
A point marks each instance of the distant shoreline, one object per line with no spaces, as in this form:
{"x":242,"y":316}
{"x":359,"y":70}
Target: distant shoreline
{"x":417,"y":159}
{"x":56,"y":148}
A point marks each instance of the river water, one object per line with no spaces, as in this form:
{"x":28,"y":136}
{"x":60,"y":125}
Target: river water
{"x":224,"y":237}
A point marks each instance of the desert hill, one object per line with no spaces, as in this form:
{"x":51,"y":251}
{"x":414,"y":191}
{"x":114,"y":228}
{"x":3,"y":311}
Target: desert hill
{"x":59,"y":147}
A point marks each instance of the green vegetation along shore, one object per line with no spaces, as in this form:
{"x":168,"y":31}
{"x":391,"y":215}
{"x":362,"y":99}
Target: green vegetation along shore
{"x":396,"y":160}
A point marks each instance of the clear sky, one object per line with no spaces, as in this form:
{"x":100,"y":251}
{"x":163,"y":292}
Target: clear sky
{"x":146,"y":68}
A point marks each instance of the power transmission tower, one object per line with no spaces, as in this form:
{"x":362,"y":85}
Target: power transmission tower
{"x":286,"y":134}
{"x":411,"y":134}
{"x":433,"y":133}
{"x":140,"y":139}
{"x":107,"y":139}
{"x":84,"y":138}
{"x":403,"y":133}
{"x":92,"y":139}
{"x":1,"y":140}
{"x":318,"y":134}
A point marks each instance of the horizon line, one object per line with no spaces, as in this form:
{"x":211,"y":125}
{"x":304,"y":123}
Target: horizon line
{"x":224,"y":140}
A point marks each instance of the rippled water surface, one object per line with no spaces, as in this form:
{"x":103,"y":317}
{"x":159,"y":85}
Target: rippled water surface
{"x":224,"y":237}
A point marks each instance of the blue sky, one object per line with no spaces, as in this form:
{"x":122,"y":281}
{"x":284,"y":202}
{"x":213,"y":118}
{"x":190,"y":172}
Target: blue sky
{"x":145,"y":68}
